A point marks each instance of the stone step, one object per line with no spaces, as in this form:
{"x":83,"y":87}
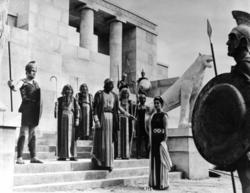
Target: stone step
{"x":40,"y":155}
{"x":83,"y":155}
{"x":39,"y":148}
{"x":86,"y":184}
{"x":80,"y":165}
{"x":79,"y":148}
{"x":52,"y":142}
{"x":57,"y":177}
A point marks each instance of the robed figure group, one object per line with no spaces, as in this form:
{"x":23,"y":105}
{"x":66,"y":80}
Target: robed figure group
{"x":115,"y":123}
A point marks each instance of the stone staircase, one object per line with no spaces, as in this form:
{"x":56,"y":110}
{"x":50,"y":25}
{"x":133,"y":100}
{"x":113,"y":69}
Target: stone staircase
{"x":58,"y":176}
{"x":71,"y":175}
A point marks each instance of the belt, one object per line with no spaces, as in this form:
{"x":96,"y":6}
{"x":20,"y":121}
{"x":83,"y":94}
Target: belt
{"x":158,"y":130}
{"x":107,"y":110}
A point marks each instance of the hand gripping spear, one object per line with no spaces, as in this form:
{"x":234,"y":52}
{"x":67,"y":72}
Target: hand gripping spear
{"x":209,"y":33}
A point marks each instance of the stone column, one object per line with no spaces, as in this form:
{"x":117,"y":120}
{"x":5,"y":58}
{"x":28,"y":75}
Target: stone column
{"x":115,"y":50}
{"x":86,"y":27}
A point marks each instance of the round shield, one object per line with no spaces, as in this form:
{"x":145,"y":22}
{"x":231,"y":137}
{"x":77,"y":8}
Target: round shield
{"x":144,"y":85}
{"x":221,"y":120}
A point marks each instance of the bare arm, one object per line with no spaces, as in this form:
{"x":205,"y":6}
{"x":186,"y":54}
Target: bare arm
{"x":15,"y":85}
{"x":165,"y":125}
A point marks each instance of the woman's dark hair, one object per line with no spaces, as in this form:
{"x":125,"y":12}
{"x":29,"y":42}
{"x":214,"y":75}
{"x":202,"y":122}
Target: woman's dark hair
{"x":66,"y":87}
{"x":158,"y":98}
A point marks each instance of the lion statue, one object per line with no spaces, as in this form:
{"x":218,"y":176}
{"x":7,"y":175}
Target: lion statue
{"x":185,"y":90}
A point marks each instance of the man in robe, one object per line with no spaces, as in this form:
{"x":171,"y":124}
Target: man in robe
{"x":85,"y":101}
{"x":31,"y":111}
{"x":106,"y":125}
{"x":106,"y":107}
{"x":67,"y":113}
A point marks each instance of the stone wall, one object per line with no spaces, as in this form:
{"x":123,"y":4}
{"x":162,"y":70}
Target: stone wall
{"x":146,"y":57}
{"x":54,"y":45}
{"x":129,"y":53}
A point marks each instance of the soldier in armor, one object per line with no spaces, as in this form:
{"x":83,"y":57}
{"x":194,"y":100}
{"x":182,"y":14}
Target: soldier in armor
{"x":30,"y":109}
{"x":220,"y":119}
{"x":123,"y":82}
{"x":239,"y":48}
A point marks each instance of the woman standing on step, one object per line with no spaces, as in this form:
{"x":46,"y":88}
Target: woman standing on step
{"x":160,"y":162}
{"x":67,"y":114}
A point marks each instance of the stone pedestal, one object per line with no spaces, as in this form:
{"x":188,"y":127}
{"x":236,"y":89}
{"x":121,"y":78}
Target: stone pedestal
{"x":8,"y":125}
{"x":115,"y":50}
{"x":87,"y":27}
{"x":185,"y":155}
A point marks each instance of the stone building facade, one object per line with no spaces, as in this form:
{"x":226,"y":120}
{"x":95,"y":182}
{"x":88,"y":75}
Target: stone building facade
{"x":77,"y":41}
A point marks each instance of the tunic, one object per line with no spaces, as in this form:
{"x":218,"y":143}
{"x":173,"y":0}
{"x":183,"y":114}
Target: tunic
{"x":68,"y":113}
{"x":158,"y":178}
{"x":84,"y":130}
{"x":106,"y":109}
{"x":31,"y":103}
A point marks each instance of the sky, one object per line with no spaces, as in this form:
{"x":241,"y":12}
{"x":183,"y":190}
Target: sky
{"x":182,"y":29}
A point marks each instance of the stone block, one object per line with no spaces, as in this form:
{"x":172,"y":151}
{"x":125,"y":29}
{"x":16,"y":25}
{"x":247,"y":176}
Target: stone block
{"x":63,"y":30}
{"x":12,"y":119}
{"x":45,"y":41}
{"x":19,"y":36}
{"x":99,"y":58}
{"x":47,"y":61}
{"x":185,"y":155}
{"x":69,"y":50}
{"x":63,"y":4}
{"x":48,"y":10}
{"x":83,"y":53}
{"x":7,"y":140}
{"x":75,"y":67}
{"x":74,"y":38}
{"x":34,"y":6}
{"x":51,"y":25}
{"x":65,"y":17}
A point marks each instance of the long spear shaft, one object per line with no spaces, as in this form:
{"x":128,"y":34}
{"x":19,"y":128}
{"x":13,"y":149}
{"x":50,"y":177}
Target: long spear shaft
{"x":209,"y":33}
{"x":10,"y":76}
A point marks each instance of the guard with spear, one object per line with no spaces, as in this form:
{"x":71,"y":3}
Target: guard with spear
{"x":31,"y":109}
{"x":221,"y":116}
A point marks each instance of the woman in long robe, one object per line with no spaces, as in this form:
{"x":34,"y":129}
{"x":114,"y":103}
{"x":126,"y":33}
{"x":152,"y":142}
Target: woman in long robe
{"x":126,"y":124}
{"x":67,"y":113}
{"x":85,"y":101}
{"x":159,"y":166}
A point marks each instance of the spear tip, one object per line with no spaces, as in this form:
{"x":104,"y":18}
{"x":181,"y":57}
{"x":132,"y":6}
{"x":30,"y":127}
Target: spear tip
{"x":209,"y":29}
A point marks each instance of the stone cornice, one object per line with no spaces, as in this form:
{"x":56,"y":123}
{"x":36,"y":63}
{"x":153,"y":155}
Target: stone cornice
{"x":126,"y":15}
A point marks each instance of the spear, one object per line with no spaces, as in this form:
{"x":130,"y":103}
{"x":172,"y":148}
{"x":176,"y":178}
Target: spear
{"x":10,"y":76}
{"x":209,"y":33}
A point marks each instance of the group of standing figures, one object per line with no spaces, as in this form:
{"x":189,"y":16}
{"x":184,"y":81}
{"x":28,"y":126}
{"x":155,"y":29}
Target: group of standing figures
{"x":111,"y":121}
